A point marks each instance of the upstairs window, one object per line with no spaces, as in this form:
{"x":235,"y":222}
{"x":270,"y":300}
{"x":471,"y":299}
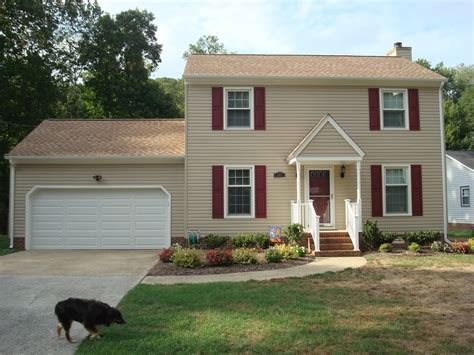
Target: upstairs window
{"x":394,"y":109}
{"x":465,"y":196}
{"x":397,"y":195}
{"x":239,"y":108}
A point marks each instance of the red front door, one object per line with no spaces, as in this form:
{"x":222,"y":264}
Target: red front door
{"x":320,"y":193}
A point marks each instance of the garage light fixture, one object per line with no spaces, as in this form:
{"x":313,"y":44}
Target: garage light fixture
{"x":97,"y":177}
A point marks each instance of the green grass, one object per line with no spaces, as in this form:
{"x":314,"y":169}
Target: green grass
{"x":5,"y":245}
{"x":367,"y":310}
{"x":461,"y":234}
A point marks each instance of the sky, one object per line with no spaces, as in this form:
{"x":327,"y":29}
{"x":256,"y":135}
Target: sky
{"x":439,"y":31}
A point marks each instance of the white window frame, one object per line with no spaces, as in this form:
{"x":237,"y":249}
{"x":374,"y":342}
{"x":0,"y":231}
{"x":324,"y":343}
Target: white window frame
{"x":384,"y":189}
{"x":461,"y":189}
{"x":250,"y":90}
{"x":405,"y":107}
{"x":252,"y":190}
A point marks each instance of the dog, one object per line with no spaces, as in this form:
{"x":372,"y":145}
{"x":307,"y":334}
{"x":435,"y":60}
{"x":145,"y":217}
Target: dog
{"x":90,"y":313}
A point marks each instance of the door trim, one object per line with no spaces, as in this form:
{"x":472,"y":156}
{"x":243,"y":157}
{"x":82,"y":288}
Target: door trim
{"x":331,"y":188}
{"x":28,"y":198}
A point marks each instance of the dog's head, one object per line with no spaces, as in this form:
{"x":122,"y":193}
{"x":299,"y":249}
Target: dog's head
{"x":114,"y":316}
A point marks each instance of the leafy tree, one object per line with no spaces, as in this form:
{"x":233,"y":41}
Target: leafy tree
{"x":206,"y":45}
{"x":174,"y":88}
{"x":458,"y":95}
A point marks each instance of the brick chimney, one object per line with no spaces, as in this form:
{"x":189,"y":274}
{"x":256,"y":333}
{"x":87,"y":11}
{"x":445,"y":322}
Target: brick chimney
{"x":399,"y":51}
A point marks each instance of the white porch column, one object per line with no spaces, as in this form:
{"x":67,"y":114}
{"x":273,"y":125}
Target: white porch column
{"x":358,"y":182}
{"x":298,"y":190}
{"x":359,"y":197}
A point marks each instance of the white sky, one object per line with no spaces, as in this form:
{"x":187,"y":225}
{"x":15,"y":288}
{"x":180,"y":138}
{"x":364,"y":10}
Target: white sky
{"x":437,"y":30}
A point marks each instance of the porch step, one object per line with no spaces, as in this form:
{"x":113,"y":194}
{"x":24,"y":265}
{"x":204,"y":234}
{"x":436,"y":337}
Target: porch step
{"x":332,"y":253}
{"x":334,"y":240}
{"x":333,"y":243}
{"x":338,"y":246}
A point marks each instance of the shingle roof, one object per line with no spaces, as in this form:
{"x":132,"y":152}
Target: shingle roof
{"x":465,"y":157}
{"x":104,"y":138}
{"x":306,"y":66}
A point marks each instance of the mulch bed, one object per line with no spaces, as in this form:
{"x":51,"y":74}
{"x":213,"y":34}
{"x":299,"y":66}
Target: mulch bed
{"x":169,"y":269}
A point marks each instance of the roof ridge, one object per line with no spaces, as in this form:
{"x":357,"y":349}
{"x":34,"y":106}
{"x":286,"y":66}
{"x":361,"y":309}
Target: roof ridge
{"x":291,"y":55}
{"x":114,"y":119}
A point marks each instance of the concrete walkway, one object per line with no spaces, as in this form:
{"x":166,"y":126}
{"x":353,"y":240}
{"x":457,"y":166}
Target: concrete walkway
{"x":318,"y":266}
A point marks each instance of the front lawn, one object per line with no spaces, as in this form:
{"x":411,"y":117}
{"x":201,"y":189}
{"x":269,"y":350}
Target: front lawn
{"x":5,"y":245}
{"x":395,"y":304}
{"x":459,"y":234}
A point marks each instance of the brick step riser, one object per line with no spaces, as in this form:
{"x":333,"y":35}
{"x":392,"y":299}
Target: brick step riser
{"x":335,"y":240}
{"x":337,"y":247}
{"x":334,"y":235}
{"x":338,"y":253}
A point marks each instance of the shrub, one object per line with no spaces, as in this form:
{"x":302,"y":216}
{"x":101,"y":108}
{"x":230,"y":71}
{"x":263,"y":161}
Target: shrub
{"x":437,"y":247}
{"x":219,"y":257}
{"x":166,"y":255}
{"x":372,"y":235}
{"x":422,"y":238}
{"x":447,"y":248}
{"x":287,"y":251}
{"x":215,"y":241}
{"x":301,"y":251}
{"x":414,"y":247}
{"x":272,"y":255}
{"x":245,"y":256}
{"x":385,"y":248}
{"x":460,"y":247}
{"x":294,"y":232}
{"x":388,"y":237}
{"x":471,"y":244}
{"x":250,"y":240}
{"x":186,"y":257}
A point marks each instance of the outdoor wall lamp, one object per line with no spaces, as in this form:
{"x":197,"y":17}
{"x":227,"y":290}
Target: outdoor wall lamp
{"x":343,"y":170}
{"x":97,"y":177}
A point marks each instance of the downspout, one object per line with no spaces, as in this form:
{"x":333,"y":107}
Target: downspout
{"x":11,"y":212}
{"x":443,"y":163}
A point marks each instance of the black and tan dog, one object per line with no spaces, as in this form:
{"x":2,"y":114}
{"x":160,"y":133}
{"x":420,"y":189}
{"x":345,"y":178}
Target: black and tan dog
{"x":90,"y":313}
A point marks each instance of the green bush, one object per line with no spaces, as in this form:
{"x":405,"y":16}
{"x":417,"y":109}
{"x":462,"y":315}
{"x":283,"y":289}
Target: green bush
{"x":273,"y":255}
{"x":301,"y":251}
{"x":421,"y":238}
{"x":437,"y":247}
{"x":372,"y":236}
{"x":250,"y":240}
{"x":287,"y":251}
{"x":414,"y":247}
{"x":386,"y":248}
{"x":294,"y":233}
{"x":187,"y":258}
{"x":213,"y":241}
{"x":245,"y":256}
{"x":471,"y":244}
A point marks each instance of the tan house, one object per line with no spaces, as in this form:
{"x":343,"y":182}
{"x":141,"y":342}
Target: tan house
{"x":326,"y":141}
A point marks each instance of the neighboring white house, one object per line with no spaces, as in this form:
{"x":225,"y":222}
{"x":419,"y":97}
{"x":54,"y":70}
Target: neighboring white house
{"x":460,"y":181}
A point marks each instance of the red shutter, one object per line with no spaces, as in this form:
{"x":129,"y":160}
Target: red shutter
{"x":376,"y":182}
{"x":374,"y":109}
{"x":218,"y":191}
{"x":260,"y":191}
{"x":413,"y":110}
{"x":416,"y":191}
{"x":259,"y":108}
{"x":217,"y":109}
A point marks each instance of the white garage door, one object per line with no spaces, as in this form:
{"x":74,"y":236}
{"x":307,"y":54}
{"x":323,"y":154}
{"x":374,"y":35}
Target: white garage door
{"x":99,"y":219}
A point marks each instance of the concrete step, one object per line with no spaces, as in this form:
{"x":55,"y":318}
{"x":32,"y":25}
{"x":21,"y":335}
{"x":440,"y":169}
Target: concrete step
{"x":333,"y":253}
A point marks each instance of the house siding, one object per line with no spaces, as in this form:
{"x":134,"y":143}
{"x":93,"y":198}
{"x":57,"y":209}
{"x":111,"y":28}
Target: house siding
{"x":458,"y":175}
{"x":291,"y":111}
{"x":170,"y":176}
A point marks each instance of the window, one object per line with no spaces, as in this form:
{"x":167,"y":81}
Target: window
{"x":239,"y":191}
{"x":465,"y":196}
{"x":397,"y":190}
{"x":239,"y":108}
{"x":394,"y":112}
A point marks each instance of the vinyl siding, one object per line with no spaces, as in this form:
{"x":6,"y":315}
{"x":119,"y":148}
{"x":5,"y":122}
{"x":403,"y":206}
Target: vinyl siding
{"x":328,"y":142}
{"x":170,"y":176}
{"x":458,"y":175}
{"x":291,"y":111}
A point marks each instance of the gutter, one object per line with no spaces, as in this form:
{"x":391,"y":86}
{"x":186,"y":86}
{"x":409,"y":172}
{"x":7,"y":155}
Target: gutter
{"x":11,"y":207}
{"x":443,"y":164}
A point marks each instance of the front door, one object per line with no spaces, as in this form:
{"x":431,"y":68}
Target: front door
{"x":320,"y":191}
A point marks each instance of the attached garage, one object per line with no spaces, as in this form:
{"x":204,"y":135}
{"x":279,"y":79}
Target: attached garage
{"x":98,"y":184}
{"x":98,"y":218}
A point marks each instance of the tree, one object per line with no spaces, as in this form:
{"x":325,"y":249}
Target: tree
{"x":119,"y":56}
{"x":174,"y":88}
{"x":206,"y":45}
{"x":458,"y":108}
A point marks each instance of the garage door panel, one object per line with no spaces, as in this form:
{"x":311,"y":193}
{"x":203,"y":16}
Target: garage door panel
{"x":100,"y":218}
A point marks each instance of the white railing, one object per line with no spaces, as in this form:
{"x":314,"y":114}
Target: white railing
{"x":304,"y":213}
{"x":353,"y":222}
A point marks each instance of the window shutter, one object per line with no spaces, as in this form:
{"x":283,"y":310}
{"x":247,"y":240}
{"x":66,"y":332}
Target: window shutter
{"x":416,"y":191}
{"x":260,"y":191}
{"x":413,"y":110}
{"x":374,"y":109}
{"x":376,"y":183}
{"x":217,"y":109}
{"x":259,"y":108}
{"x":218,"y":191}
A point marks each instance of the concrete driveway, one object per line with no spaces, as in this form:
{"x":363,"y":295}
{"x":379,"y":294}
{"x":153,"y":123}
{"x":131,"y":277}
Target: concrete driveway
{"x":32,"y":282}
